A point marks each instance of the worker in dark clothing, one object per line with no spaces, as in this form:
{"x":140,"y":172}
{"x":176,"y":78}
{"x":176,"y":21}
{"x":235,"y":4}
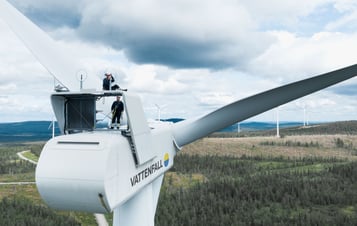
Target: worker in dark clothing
{"x":117,"y":109}
{"x":107,"y":82}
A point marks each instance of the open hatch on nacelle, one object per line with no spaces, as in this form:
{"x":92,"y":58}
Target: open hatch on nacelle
{"x":77,"y":111}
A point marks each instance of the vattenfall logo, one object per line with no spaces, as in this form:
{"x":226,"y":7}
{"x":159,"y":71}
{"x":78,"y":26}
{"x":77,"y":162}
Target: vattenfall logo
{"x":150,"y":170}
{"x":166,"y":159}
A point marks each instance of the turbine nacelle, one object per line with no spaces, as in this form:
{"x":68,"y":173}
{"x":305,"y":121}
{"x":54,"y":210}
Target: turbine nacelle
{"x":97,"y":170}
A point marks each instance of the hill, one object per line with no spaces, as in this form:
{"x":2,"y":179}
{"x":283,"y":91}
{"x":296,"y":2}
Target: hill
{"x":326,"y":128}
{"x":26,"y":131}
{"x":41,"y":130}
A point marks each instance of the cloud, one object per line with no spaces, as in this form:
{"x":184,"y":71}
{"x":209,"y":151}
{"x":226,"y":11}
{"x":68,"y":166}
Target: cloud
{"x":216,"y":99}
{"x":347,"y":90}
{"x":295,"y":57}
{"x":280,"y":12}
{"x":185,"y":34}
{"x":345,"y":5}
{"x":146,"y":79}
{"x":191,"y":56}
{"x":51,"y":14}
{"x":178,"y":34}
{"x":347,"y":22}
{"x":7,"y":87}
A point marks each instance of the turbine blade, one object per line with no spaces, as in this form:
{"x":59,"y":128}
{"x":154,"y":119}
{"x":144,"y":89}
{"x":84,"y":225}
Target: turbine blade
{"x":188,"y":131}
{"x":45,"y":49}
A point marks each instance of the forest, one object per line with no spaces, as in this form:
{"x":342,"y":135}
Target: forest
{"x":259,"y":191}
{"x":20,"y":204}
{"x":293,"y":180}
{"x":21,"y":211}
{"x":10,"y":164}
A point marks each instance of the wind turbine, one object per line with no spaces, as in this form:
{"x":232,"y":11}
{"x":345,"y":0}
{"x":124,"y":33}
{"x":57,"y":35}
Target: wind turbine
{"x":122,"y":171}
{"x":52,"y":125}
{"x":159,"y":111}
{"x":306,"y":121}
{"x":277,"y":122}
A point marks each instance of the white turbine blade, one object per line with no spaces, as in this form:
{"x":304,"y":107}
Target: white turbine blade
{"x":190,"y":130}
{"x":47,"y":52}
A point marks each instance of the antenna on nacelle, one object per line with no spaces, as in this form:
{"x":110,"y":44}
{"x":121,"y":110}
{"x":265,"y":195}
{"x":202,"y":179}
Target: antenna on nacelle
{"x":81,"y":76}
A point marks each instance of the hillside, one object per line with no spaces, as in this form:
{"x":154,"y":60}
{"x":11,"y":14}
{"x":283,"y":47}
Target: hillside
{"x":26,"y":131}
{"x":327,"y":128}
{"x":42,"y":131}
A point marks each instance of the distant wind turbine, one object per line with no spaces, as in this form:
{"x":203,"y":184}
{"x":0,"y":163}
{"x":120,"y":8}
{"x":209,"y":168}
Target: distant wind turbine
{"x":159,"y":111}
{"x":306,"y":122}
{"x":277,"y":122}
{"x":53,"y":125}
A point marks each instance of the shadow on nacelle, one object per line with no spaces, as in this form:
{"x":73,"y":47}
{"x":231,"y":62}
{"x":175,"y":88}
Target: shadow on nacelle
{"x":76,"y":112}
{"x":102,"y":170}
{"x":80,"y":111}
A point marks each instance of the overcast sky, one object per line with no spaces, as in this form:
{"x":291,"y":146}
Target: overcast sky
{"x":189,"y":57}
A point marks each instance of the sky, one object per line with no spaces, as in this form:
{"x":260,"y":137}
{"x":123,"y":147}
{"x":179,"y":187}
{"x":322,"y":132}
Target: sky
{"x":188,"y":57}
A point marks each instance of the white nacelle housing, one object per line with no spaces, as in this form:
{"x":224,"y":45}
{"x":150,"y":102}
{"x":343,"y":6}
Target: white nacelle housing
{"x":96,"y":171}
{"x":73,"y":170}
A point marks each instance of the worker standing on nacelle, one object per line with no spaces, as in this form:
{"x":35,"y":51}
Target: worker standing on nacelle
{"x":117,"y":109}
